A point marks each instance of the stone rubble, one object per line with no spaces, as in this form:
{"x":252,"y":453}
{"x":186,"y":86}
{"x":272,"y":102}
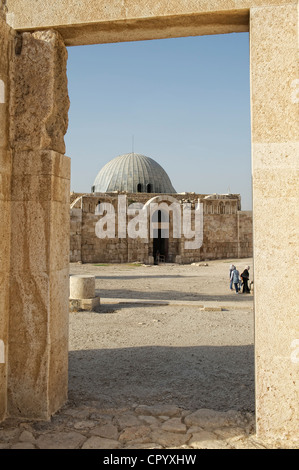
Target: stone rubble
{"x":87,"y":426}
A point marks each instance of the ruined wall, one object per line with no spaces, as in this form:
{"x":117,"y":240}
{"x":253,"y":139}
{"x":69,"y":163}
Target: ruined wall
{"x":74,"y":196}
{"x":6,"y":56}
{"x":223,"y":238}
{"x":107,"y":250}
{"x":245,"y":234}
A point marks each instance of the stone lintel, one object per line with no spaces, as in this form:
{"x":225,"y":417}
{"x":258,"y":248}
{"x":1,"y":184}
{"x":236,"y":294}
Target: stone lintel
{"x":160,"y":28}
{"x":97,"y":21}
{"x":93,"y":21}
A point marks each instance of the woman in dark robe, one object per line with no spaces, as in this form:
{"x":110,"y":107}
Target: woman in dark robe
{"x":245,"y":279}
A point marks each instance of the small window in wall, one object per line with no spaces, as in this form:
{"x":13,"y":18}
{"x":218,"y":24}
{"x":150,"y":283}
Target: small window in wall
{"x":139,"y":188}
{"x":149,"y":188}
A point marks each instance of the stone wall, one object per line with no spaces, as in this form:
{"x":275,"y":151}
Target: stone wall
{"x":245,"y":234}
{"x":227,"y":232}
{"x":75,"y":227}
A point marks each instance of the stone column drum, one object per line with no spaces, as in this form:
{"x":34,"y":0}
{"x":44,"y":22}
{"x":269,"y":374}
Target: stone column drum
{"x":82,"y":293}
{"x":82,"y":287}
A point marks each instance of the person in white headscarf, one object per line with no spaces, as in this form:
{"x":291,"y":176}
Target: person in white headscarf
{"x":231,"y":268}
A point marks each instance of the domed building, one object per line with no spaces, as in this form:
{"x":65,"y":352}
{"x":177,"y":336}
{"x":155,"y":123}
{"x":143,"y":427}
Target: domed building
{"x":134,"y":214}
{"x":133,"y":173}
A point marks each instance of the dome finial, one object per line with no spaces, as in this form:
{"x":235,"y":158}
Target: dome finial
{"x":133,"y":144}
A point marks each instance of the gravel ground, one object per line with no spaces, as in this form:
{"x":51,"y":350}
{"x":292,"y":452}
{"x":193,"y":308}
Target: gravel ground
{"x":177,"y":347}
{"x":166,"y":362}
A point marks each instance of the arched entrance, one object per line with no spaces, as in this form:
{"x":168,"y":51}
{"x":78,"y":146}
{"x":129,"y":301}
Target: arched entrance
{"x":164,"y":213}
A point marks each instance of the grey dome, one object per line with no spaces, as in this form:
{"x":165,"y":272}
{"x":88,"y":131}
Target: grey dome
{"x":132,"y":172}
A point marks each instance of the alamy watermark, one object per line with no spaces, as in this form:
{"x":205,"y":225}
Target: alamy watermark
{"x":151,"y":220}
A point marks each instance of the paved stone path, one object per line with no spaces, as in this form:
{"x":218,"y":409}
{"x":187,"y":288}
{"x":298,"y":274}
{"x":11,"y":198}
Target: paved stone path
{"x":139,"y":427}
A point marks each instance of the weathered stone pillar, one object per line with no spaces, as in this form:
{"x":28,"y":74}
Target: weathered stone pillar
{"x":6,"y":43}
{"x":39,"y":281}
{"x":274,"y":107}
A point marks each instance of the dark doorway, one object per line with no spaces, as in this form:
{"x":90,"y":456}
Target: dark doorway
{"x":160,"y":238}
{"x":160,"y":246}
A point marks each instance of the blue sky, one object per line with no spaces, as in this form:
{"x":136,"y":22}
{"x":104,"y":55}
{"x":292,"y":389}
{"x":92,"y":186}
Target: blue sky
{"x":184,"y":102}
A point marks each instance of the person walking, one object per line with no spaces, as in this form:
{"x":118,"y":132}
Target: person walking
{"x":245,"y":279}
{"x":235,"y":277}
{"x":231,"y":268}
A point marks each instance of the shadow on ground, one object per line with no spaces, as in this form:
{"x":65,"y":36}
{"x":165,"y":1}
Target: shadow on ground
{"x":149,"y":277}
{"x":220,"y":378}
{"x":172,"y":295}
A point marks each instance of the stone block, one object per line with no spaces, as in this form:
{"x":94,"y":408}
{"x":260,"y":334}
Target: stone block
{"x":77,"y":305}
{"x":58,"y":372}
{"x":39,"y":100}
{"x":212,"y":308}
{"x":5,"y":160}
{"x":42,"y":162}
{"x":82,"y":287}
{"x":5,"y":181}
{"x":273,"y":70}
{"x":4,"y":236}
{"x":67,"y":440}
{"x":28,"y":378}
{"x":38,"y":344}
{"x":59,"y":235}
{"x":3,"y":125}
{"x":276,"y":156}
{"x":59,"y":314}
{"x":29,"y":312}
{"x":4,"y":309}
{"x":33,"y":188}
{"x":30,"y":249}
{"x":4,"y":304}
{"x":39,"y":187}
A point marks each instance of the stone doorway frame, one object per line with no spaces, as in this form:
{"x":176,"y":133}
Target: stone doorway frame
{"x":35,"y":176}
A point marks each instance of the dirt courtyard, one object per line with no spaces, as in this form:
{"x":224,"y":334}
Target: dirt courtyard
{"x":168,"y":334}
